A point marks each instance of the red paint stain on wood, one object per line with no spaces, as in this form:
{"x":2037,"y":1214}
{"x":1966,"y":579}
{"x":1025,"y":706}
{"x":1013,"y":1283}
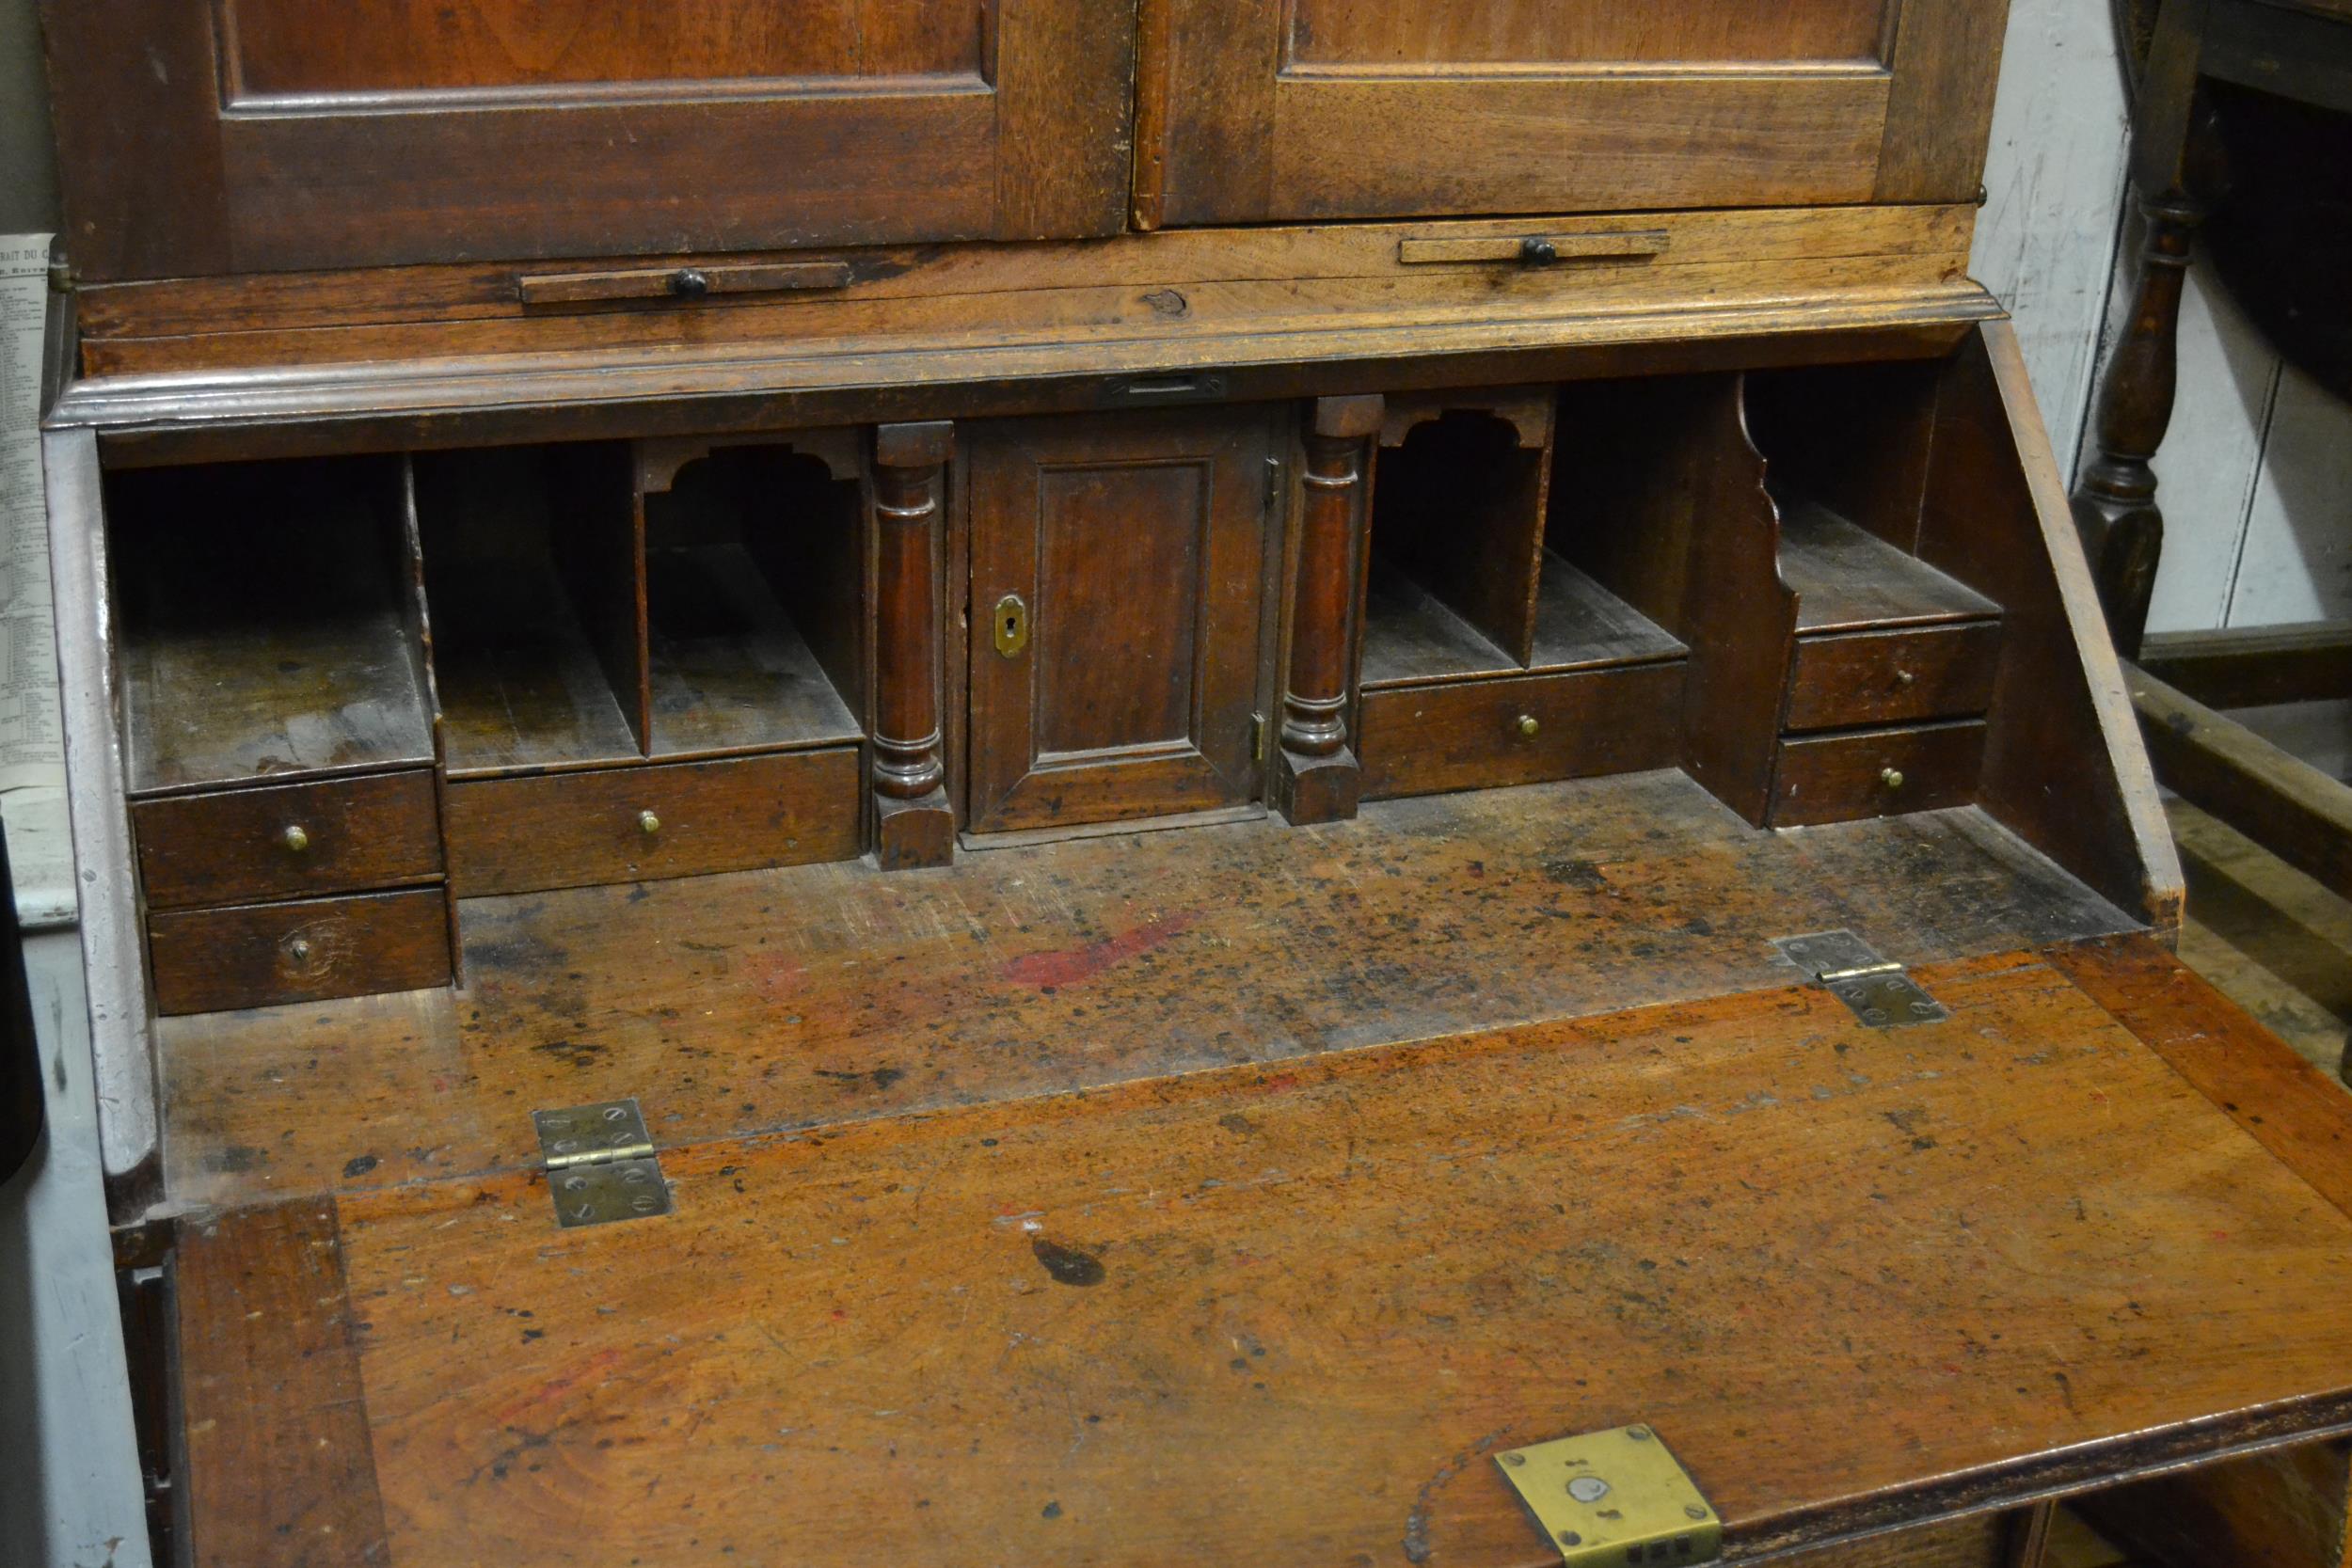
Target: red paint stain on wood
{"x":1068,"y":966}
{"x":556,"y":1387}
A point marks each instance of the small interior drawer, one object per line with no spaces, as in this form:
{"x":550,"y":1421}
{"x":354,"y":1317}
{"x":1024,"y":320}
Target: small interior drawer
{"x":1476,"y":735}
{"x":642,"y":824}
{"x":344,"y":835}
{"x":1838,"y":778}
{"x":309,"y":950}
{"x":1893,"y":676}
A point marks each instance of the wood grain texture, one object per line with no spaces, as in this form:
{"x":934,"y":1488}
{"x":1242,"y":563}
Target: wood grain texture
{"x":232,"y":847}
{"x":1472,"y":735}
{"x":1837,"y":778}
{"x":293,"y":302}
{"x":498,"y":130}
{"x":751,"y":1002}
{"x":1460,"y":503}
{"x":538,"y":653}
{"x":1152,"y":523}
{"x":2061,"y":767}
{"x":1583,"y":33}
{"x":1872,"y":677}
{"x":281,"y":46}
{"x":567,"y":830}
{"x":1847,"y":578}
{"x":278,"y":1457}
{"x":2296,"y":811}
{"x":2284,"y":1509}
{"x":1737,"y":611}
{"x":312,"y":949}
{"x":1253,"y":111}
{"x":1947,"y":64}
{"x":1231,"y":1271}
{"x":262,"y":632}
{"x":2281,"y":1099}
{"x":2250,"y":666}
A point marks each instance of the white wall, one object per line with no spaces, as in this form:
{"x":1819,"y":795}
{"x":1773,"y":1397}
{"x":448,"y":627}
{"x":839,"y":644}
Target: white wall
{"x":2255,"y":478}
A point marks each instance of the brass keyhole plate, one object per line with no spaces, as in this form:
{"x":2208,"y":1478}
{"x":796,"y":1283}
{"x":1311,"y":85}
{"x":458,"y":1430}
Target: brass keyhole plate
{"x":1012,"y":626}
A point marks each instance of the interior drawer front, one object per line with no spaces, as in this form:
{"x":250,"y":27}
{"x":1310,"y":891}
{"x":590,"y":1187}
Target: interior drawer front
{"x":1473,"y":734}
{"x":576,"y":830}
{"x":345,"y":835}
{"x":1838,"y":778}
{"x":1892,"y":677}
{"x":309,"y":950}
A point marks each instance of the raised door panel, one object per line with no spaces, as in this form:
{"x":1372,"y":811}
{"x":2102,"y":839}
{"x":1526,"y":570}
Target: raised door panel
{"x":268,"y":135}
{"x":1297,"y":109}
{"x":1118,"y":606}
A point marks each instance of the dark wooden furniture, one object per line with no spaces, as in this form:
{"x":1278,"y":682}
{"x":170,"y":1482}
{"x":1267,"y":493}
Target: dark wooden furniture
{"x":2298,"y":48}
{"x":1182,"y":693}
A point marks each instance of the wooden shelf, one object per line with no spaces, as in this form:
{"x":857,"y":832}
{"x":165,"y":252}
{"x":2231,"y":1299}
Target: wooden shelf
{"x":730,"y":672}
{"x":1411,"y":636}
{"x":263,"y":630}
{"x":1845,"y":578}
{"x":521,"y":687}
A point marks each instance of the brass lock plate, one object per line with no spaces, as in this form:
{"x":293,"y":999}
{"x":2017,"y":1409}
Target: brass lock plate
{"x":1615,"y":1498}
{"x":1011,"y":626}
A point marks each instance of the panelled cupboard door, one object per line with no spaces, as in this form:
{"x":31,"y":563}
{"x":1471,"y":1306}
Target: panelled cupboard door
{"x":1257,"y":110}
{"x":1117,"y":615}
{"x":238,"y":135}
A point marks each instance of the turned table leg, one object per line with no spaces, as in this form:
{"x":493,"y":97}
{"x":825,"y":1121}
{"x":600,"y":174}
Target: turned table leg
{"x":914,"y":825}
{"x":2115,"y":497}
{"x":1315,"y":774}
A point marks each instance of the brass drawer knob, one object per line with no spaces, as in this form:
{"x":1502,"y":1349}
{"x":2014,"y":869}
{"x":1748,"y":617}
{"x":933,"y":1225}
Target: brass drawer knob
{"x":296,"y":839}
{"x":1905,"y":679}
{"x":1528,"y":726}
{"x":648,"y":824}
{"x":1891,"y":776}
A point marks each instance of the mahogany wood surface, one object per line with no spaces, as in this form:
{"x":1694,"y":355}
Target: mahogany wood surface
{"x":1476,"y":734}
{"x":972,"y":1336}
{"x":279,"y":47}
{"x":1876,"y":677}
{"x":1460,"y":506}
{"x":1153,"y":524}
{"x":751,"y":1003}
{"x":310,"y":949}
{"x":1845,"y":578}
{"x":278,"y":1464}
{"x":239,"y":846}
{"x":1837,"y":778}
{"x":561,"y":830}
{"x":263,"y":633}
{"x":292,"y":138}
{"x":2059,"y":767}
{"x":1253,"y":110}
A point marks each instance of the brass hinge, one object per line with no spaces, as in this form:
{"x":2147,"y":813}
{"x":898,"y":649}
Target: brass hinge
{"x":1880,"y":993}
{"x":1257,"y":737}
{"x":601,"y":1164}
{"x":1616,"y":1498}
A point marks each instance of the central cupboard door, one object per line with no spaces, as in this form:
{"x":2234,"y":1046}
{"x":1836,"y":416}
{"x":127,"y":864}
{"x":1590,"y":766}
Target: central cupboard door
{"x":1119,"y":616}
{"x":1256,"y":110}
{"x":226,"y":135}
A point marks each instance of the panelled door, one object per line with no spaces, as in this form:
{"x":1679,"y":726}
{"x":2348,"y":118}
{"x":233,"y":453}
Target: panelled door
{"x":1256,"y":110}
{"x":239,"y":136}
{"x":1119,"y":614}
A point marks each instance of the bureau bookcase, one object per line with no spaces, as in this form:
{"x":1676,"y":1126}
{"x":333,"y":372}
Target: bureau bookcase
{"x":1045,"y":781}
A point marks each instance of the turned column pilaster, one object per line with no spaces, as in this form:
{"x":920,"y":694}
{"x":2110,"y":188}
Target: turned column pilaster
{"x":914,"y":825}
{"x":1315,"y":774}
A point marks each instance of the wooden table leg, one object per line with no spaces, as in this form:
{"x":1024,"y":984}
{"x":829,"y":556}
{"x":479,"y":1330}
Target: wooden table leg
{"x":2115,"y":498}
